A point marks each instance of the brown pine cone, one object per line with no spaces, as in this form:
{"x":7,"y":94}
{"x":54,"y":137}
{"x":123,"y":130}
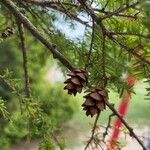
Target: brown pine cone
{"x":78,"y":79}
{"x":8,"y":32}
{"x":95,"y":101}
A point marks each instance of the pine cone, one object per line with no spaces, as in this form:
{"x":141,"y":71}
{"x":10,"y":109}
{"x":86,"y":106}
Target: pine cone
{"x":95,"y":101}
{"x":78,"y":79}
{"x":8,"y":32}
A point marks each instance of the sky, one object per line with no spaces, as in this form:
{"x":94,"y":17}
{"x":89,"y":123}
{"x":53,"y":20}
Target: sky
{"x":70,"y":32}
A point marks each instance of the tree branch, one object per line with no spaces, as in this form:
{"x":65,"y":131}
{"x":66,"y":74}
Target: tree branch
{"x":25,"y":59}
{"x":56,"y":141}
{"x":15,"y":11}
{"x":58,"y":7}
{"x":130,"y":50}
{"x":98,"y":20}
{"x":132,"y":134}
{"x":108,"y":126}
{"x":48,"y":3}
{"x":93,"y":132}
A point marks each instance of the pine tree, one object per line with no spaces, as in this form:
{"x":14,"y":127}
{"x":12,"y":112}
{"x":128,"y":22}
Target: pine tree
{"x":115,"y":44}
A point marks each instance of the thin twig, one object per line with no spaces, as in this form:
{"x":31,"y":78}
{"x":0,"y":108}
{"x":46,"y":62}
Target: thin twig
{"x":57,"y":141}
{"x":104,"y":59}
{"x":108,"y":126}
{"x":91,"y":44}
{"x":25,"y":59}
{"x":53,"y":4}
{"x":93,"y":132}
{"x":59,"y":6}
{"x":50,"y":3}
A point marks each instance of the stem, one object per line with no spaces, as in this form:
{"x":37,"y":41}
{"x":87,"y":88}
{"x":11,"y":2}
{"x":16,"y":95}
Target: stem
{"x":93,"y":132}
{"x":108,"y":126}
{"x":91,"y":45}
{"x":56,"y":141}
{"x":25,"y":59}
{"x":104,"y":59}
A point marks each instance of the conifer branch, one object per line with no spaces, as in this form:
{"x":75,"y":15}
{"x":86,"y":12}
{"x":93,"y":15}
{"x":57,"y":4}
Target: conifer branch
{"x":93,"y":132}
{"x":98,"y":20}
{"x":132,"y":133}
{"x":108,"y":126}
{"x":25,"y":59}
{"x":60,"y":7}
{"x":130,"y":50}
{"x":15,"y":11}
{"x":104,"y":30}
{"x":122,"y":9}
{"x":56,"y":141}
{"x":48,"y":3}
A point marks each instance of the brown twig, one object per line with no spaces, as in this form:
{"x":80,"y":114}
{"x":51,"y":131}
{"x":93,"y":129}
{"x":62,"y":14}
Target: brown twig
{"x":93,"y":132}
{"x":108,"y":126}
{"x":50,"y":3}
{"x":57,"y":141}
{"x":132,"y":134}
{"x":25,"y":59}
{"x":15,"y":11}
{"x":59,"y":6}
{"x":53,"y":4}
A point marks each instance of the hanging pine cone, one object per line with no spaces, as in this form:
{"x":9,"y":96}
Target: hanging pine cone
{"x":95,"y":101}
{"x":78,"y":79}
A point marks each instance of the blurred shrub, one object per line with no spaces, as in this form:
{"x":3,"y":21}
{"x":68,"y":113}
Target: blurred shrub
{"x":46,"y":145}
{"x":56,"y":106}
{"x":56,"y":103}
{"x":16,"y":129}
{"x":4,"y":142}
{"x":146,"y":18}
